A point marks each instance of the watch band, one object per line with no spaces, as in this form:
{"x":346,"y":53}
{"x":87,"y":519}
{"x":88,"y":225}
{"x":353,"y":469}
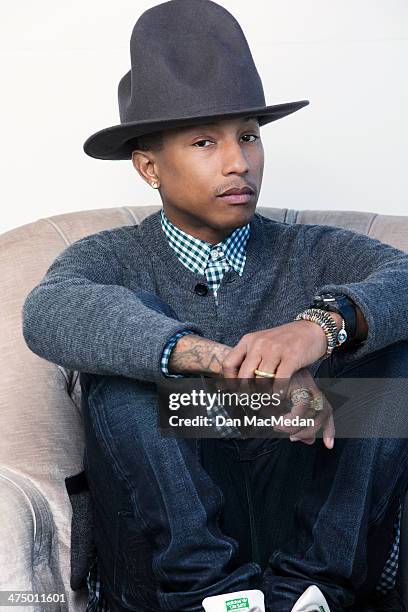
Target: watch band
{"x":341,"y":304}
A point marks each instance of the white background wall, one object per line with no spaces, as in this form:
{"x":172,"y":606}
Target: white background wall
{"x":61,"y":63}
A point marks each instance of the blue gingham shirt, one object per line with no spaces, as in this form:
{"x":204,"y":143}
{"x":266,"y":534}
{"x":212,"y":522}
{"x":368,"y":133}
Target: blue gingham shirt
{"x":213,"y":261}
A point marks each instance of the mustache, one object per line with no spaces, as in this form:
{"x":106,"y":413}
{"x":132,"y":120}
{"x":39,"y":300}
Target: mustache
{"x":238,"y":186}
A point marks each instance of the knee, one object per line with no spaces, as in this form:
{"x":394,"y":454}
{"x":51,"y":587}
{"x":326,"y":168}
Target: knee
{"x":399,"y":355}
{"x":391,"y":361}
{"x":387,"y":458}
{"x":106,"y":389}
{"x":394,"y":360}
{"x":123,"y":406}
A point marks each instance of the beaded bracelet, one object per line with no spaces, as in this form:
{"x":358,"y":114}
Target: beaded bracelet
{"x":328,"y":324}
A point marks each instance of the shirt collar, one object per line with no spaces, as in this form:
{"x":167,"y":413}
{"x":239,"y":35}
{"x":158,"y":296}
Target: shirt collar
{"x":194,"y":252}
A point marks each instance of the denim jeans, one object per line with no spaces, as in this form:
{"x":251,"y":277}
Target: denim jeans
{"x":177,"y":520}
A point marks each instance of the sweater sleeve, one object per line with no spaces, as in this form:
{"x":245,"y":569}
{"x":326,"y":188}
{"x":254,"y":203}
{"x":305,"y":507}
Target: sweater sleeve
{"x":82,"y":317}
{"x":373,"y":274}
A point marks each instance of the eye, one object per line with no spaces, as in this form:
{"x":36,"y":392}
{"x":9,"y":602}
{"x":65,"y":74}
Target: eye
{"x":207,"y":140}
{"x":253,"y":135}
{"x":199,"y":141}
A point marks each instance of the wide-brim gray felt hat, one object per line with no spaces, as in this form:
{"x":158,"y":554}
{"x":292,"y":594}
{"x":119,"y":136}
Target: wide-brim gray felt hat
{"x":190,"y":63}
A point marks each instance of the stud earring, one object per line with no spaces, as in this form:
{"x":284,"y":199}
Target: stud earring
{"x":154,"y":185}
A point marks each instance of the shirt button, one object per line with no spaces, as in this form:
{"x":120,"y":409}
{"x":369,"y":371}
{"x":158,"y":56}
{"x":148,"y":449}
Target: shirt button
{"x":215,"y":254}
{"x":201,"y":289}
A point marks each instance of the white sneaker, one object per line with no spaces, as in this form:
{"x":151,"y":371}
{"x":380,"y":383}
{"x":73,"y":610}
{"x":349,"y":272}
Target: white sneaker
{"x":312,"y":600}
{"x":247,"y":601}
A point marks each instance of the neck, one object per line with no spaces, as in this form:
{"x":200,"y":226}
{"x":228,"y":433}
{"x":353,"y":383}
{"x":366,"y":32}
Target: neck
{"x":206,"y":233}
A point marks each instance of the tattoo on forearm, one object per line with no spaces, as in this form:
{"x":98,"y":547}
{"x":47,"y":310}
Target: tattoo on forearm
{"x":197,"y":355}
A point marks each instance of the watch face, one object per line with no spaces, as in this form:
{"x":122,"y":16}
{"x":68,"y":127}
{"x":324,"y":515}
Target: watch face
{"x":325,"y":300}
{"x":328,"y":297}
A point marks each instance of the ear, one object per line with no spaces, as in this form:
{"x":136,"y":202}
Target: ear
{"x":143,"y":162}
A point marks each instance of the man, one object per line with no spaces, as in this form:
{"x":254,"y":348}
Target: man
{"x":209,"y":287}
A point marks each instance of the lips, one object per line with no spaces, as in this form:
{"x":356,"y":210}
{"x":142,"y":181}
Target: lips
{"x":237,"y":191}
{"x":236,"y":198}
{"x":237,"y":195}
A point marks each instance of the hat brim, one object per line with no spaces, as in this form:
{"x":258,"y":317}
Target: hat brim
{"x":114,"y":142}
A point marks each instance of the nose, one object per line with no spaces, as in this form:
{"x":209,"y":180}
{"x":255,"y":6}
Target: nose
{"x":234,"y":158}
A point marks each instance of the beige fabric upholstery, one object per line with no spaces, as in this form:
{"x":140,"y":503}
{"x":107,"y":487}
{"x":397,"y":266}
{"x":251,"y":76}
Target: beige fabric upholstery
{"x":41,"y":424}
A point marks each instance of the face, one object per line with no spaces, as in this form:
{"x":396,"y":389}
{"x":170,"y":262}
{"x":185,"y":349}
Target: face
{"x":199,"y":163}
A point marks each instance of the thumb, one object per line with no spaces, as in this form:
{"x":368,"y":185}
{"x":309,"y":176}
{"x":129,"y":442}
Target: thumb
{"x":329,"y":432}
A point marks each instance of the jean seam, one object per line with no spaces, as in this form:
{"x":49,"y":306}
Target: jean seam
{"x":119,"y":585}
{"x":117,"y":544}
{"x":117,"y":467}
{"x":107,"y":440}
{"x":254,"y":544}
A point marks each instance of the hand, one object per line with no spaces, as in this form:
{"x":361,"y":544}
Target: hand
{"x":302,"y":408}
{"x":282,"y":350}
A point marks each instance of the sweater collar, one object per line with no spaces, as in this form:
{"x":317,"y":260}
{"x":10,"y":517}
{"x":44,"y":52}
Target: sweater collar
{"x":155,"y":242}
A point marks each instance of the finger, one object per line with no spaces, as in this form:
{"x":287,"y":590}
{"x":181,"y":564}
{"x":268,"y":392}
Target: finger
{"x":300,"y":406}
{"x":249,"y":364}
{"x":268,"y":365}
{"x":231,"y":366}
{"x":305,"y":432}
{"x":307,"y":406}
{"x":323,"y":418}
{"x":329,"y":432}
{"x":290,"y":429}
{"x":246,"y":371}
{"x":268,"y":382}
{"x":328,"y":423}
{"x":283,"y":375}
{"x":232,"y":362}
{"x":299,"y":409}
{"x":319,"y":419}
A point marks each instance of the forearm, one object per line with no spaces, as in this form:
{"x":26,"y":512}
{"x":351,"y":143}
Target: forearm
{"x":194,"y":354}
{"x":374,"y":275}
{"x":83,"y":318}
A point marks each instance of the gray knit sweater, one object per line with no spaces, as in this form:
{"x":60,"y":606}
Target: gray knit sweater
{"x":85,"y":314}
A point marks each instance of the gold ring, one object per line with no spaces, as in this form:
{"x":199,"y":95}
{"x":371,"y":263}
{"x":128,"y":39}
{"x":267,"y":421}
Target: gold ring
{"x":317,"y":403}
{"x":264,"y":374}
{"x":300,"y":394}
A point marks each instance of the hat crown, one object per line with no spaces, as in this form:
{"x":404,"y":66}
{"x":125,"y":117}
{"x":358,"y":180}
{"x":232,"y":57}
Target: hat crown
{"x":189,"y":55}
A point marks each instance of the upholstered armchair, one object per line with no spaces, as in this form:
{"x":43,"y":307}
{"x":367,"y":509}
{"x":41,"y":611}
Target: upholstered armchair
{"x":41,"y":425}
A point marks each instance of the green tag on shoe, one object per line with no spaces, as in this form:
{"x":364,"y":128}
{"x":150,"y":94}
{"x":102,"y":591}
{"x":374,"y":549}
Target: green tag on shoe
{"x":237,"y":604}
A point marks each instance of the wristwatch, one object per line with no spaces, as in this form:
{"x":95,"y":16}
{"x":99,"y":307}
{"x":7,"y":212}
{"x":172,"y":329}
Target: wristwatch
{"x":342,"y":305}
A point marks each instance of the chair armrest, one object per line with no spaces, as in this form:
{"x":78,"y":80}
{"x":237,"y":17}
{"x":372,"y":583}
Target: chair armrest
{"x":28,"y":547}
